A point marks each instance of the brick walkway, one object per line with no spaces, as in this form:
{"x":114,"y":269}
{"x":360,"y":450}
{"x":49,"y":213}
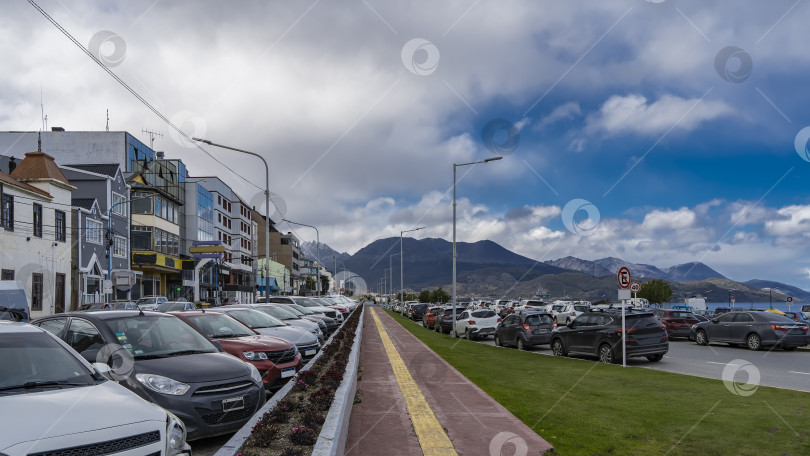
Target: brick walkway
{"x":381,"y":424}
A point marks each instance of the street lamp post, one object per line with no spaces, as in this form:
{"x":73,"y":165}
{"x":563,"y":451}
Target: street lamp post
{"x":456,"y":165}
{"x":392,"y":271}
{"x":266,"y":203}
{"x":318,"y":248}
{"x":402,"y":265}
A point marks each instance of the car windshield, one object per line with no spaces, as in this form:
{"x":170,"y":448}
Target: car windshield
{"x":31,"y":361}
{"x":581,"y":308}
{"x":557,"y":307}
{"x":255,"y":319}
{"x":171,"y":306}
{"x":151,"y":336}
{"x":483,"y":314}
{"x":543,"y":319}
{"x":307,"y":302}
{"x":145,"y":301}
{"x":219,"y":326}
{"x":279,"y":312}
{"x":419,"y":307}
{"x":682,"y":315}
{"x":300,"y":309}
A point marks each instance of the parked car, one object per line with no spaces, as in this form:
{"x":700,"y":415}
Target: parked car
{"x":678,"y":322}
{"x":311,"y":304}
{"x":150,"y":302}
{"x":331,"y":304}
{"x":599,"y":333}
{"x":554,"y":309}
{"x":263,"y":323}
{"x":473,"y":324}
{"x":282,"y":313}
{"x":527,"y":329}
{"x":569,"y":312}
{"x":417,"y":311}
{"x":723,"y":310}
{"x":175,"y":306}
{"x":806,"y":311}
{"x":329,"y":323}
{"x":443,"y":322}
{"x":753,"y":329}
{"x":430,"y":316}
{"x":276,"y":359}
{"x":168,"y":363}
{"x":77,"y":409}
{"x":529,"y":305}
{"x":797,"y":316}
{"x":13,"y":301}
{"x":124,"y":305}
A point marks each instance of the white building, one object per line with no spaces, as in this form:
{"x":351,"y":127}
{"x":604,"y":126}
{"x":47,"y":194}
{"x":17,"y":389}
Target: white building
{"x":35,"y":228}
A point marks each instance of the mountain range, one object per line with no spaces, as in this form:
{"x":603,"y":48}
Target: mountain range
{"x":485,"y":268}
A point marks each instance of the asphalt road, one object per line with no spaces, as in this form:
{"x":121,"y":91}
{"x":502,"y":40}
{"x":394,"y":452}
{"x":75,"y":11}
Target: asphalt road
{"x":778,"y":368}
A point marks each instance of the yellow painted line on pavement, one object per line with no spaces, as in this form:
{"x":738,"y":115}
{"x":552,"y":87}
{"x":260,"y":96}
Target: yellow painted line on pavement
{"x":431,"y":435}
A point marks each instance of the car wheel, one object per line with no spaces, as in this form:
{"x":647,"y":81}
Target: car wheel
{"x":754,"y":341}
{"x":558,"y":348}
{"x":520,"y":344}
{"x":700,"y":338}
{"x":469,"y":335}
{"x":606,"y":354}
{"x":498,"y":341}
{"x":656,"y":358}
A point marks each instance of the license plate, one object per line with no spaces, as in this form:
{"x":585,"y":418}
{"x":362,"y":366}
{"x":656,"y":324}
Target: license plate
{"x":542,"y":330}
{"x":288,"y":372}
{"x":234,"y":403}
{"x":310,"y":352}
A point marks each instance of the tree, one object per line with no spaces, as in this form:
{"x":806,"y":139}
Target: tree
{"x":656,"y":291}
{"x":439,"y":295}
{"x":424,"y":296}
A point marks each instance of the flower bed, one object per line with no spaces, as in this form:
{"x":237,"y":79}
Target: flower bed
{"x":294,"y":418}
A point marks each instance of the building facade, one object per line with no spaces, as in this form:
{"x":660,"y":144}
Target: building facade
{"x":35,"y":227}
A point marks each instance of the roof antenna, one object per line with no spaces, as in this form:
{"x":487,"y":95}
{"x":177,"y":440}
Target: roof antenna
{"x":41,"y":107}
{"x":152,"y":134}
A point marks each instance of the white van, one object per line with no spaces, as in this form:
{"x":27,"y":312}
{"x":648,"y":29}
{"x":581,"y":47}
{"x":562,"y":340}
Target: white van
{"x":13,"y":302}
{"x":55,"y":402}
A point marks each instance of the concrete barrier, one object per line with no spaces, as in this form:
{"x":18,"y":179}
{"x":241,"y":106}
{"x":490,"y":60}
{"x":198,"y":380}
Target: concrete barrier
{"x":338,"y":423}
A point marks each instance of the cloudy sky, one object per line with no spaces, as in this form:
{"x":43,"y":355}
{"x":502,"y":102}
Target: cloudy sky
{"x":659,"y":131}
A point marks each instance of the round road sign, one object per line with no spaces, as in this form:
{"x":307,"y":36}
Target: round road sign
{"x":635,"y":287}
{"x":624,"y":278}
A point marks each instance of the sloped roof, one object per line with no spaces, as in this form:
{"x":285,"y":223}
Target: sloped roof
{"x":38,"y":165}
{"x":105,"y":169}
{"x":84,"y":203}
{"x":7,"y":179}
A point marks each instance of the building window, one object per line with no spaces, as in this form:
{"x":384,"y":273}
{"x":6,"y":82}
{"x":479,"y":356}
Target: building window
{"x":118,"y":205}
{"x":37,"y":220}
{"x":7,"y":274}
{"x":120,"y":247}
{"x":36,"y":291}
{"x":60,"y":226}
{"x":7,"y":212}
{"x":93,"y":231}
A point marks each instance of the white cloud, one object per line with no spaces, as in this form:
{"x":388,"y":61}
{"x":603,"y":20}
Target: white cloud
{"x":633,"y":114}
{"x":793,"y":220}
{"x":669,"y":220}
{"x":566,"y":111}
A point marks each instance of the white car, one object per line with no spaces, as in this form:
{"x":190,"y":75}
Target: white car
{"x":473,"y":324}
{"x":529,"y":305}
{"x":569,"y":312}
{"x":63,"y":405}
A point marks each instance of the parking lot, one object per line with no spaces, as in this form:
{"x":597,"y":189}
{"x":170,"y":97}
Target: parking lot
{"x":777,"y":368}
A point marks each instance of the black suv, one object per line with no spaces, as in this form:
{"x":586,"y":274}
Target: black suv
{"x":443,"y":322}
{"x":525,"y":330}
{"x":417,"y":311}
{"x":599,"y":333}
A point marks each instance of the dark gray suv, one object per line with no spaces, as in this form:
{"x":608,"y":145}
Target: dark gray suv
{"x":525,"y":330}
{"x":599,"y":333}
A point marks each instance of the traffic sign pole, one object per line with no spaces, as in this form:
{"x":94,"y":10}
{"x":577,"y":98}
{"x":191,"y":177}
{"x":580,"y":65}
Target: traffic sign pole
{"x":624,"y":282}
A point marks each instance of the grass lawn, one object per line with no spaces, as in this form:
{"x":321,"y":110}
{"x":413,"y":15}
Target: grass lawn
{"x":591,"y":408}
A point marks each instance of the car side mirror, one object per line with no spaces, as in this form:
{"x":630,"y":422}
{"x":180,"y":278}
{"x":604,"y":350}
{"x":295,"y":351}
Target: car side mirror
{"x":714,"y":320}
{"x":572,"y":324}
{"x":103,"y":369}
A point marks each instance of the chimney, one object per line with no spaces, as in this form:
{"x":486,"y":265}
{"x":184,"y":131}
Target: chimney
{"x":159,"y":155}
{"x":57,"y":129}
{"x":12,"y":163}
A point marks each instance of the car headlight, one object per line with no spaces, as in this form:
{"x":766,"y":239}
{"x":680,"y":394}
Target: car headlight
{"x":254,"y":356}
{"x":163,"y":385}
{"x":254,"y":374}
{"x":175,"y":435}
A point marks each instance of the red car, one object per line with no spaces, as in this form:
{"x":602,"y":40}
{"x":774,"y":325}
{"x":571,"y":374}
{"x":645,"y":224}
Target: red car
{"x":678,"y":322}
{"x":430,"y":316}
{"x":276,"y":359}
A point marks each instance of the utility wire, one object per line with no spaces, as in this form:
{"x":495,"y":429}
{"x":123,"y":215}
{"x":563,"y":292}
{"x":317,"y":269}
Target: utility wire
{"x":136,"y":95}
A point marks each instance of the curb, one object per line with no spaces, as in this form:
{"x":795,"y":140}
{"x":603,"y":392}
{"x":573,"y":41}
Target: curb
{"x":232,"y":446}
{"x":335,"y":430}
